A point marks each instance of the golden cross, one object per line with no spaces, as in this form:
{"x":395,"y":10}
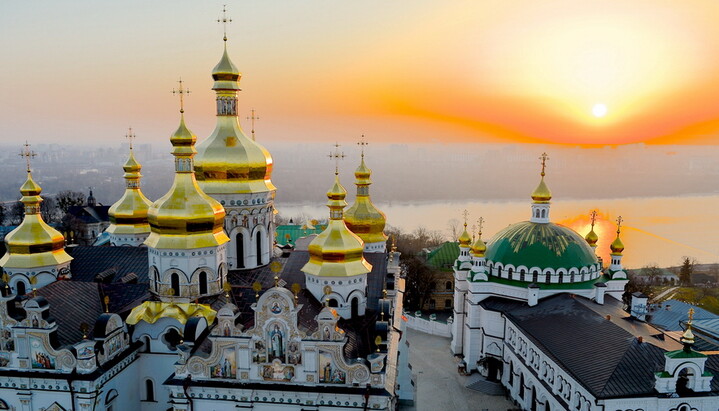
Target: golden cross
{"x":337,"y":155}
{"x":181,"y":91}
{"x":465,"y":213}
{"x":362,"y":144}
{"x":691,"y":315}
{"x":252,"y":118}
{"x":474,"y":231}
{"x":619,"y":224}
{"x":593,"y":216}
{"x":130,"y":136}
{"x":480,"y":223}
{"x":544,"y":157}
{"x":28,"y":154}
{"x":224,"y":20}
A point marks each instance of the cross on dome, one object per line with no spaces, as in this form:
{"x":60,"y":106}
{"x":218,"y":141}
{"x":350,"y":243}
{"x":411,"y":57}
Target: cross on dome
{"x":27,"y":154}
{"x":619,"y":224}
{"x":224,"y":20}
{"x":252,"y":119}
{"x":337,"y":155}
{"x":130,"y":136}
{"x":544,"y":157}
{"x":480,"y":224}
{"x":181,"y":91}
{"x":593,"y":216}
{"x":362,"y":143}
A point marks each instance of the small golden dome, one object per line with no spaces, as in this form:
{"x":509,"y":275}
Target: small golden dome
{"x":185,"y":217}
{"x":617,"y":246}
{"x":225,"y":72}
{"x":542,"y":194}
{"x":33,"y":243}
{"x":363,"y":218}
{"x":478,"y":248}
{"x":592,"y":238}
{"x":129,"y":214}
{"x":336,"y":251}
{"x":464,"y":240}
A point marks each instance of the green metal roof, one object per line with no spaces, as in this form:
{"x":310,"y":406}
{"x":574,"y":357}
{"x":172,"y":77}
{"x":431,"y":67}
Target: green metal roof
{"x":540,"y":245}
{"x":291,"y":232}
{"x":443,"y":257}
{"x":684,"y":354}
{"x":584,"y":285}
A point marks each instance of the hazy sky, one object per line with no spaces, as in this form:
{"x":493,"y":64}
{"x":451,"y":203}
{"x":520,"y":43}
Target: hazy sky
{"x":405,"y":70}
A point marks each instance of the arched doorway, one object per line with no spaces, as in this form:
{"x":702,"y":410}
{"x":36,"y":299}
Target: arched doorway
{"x":175,"y":283}
{"x":355,"y":307}
{"x":240,"y":248}
{"x":259,"y":248}
{"x":203,"y":282}
{"x":20,"y":287}
{"x":332,"y":302}
{"x":494,"y":368}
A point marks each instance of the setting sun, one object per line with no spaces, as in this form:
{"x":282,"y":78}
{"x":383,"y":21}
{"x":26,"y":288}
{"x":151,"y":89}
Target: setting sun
{"x":599,"y":110}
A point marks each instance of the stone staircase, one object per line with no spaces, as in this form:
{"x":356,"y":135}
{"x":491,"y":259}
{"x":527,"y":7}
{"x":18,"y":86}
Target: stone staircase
{"x":481,"y":384}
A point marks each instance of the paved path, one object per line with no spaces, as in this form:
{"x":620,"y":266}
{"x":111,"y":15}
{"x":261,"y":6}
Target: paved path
{"x":439,"y":386}
{"x":665,"y":292}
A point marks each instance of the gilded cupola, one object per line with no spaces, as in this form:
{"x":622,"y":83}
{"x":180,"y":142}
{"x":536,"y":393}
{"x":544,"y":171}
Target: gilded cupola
{"x":129,"y":214}
{"x":228,"y":162}
{"x":464,"y":239}
{"x":33,"y":243}
{"x":617,"y":246}
{"x":363,"y":218}
{"x":185,"y":217}
{"x":336,"y":251}
{"x":591,"y":236}
{"x":479,"y":247}
{"x":542,"y":194}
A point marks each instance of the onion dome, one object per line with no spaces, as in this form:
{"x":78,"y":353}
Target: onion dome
{"x":363,"y":218}
{"x":464,"y":240}
{"x":185,"y":217}
{"x":228,"y":162}
{"x":33,"y":243}
{"x":546,"y":245}
{"x":336,"y":251}
{"x":617,"y":245}
{"x":542,"y":194}
{"x":152,"y":311}
{"x":591,"y":238}
{"x":478,"y":248}
{"x":129,"y":214}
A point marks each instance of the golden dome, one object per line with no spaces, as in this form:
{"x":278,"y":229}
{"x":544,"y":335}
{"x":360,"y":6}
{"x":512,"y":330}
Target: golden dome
{"x":152,"y":311}
{"x":363,"y":218}
{"x":478,"y":248}
{"x":336,"y":251}
{"x":464,"y":240}
{"x":228,"y":162}
{"x":185,"y":217}
{"x":33,"y":243}
{"x":592,"y":237}
{"x":542,"y":194}
{"x":129,"y":214}
{"x":617,"y":245}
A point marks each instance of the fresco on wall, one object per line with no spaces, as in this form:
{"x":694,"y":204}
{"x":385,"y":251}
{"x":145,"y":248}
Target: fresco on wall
{"x":277,"y":341}
{"x":259,"y":354}
{"x":4,"y":359}
{"x":278,"y":372}
{"x":329,"y":373}
{"x":39,"y":356}
{"x":6,"y":341}
{"x":227,"y":367}
{"x":293,"y":353}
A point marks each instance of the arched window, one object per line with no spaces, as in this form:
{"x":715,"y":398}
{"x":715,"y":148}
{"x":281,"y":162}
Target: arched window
{"x":332,"y":302}
{"x":448,"y":304}
{"x":510,"y":379}
{"x":156,"y":278}
{"x":509,"y":272}
{"x":535,"y":276}
{"x":20,"y":287}
{"x":110,"y":400}
{"x":203,"y":282}
{"x":355,"y":307}
{"x":149,"y":390}
{"x":432,"y":304}
{"x":240,"y":247}
{"x":544,"y":213}
{"x":259,"y":248}
{"x":175,"y":283}
{"x":448,"y":285}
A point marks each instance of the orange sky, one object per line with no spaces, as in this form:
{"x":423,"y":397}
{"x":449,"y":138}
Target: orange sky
{"x":420,"y":70}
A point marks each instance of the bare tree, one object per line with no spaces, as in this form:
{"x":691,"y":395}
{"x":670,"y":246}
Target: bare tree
{"x":67,"y":199}
{"x":419,"y":281}
{"x":651,"y":271}
{"x":453,"y":228}
{"x":435,"y":238}
{"x":48,"y":210}
{"x":2,"y":214}
{"x":17,"y":212}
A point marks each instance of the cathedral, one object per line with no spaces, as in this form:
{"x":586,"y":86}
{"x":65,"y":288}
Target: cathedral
{"x":191,"y":306}
{"x":537,"y":313}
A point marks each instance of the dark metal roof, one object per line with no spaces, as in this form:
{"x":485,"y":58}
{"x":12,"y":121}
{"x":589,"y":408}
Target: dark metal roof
{"x":73,"y":303}
{"x":669,"y":314}
{"x":90,"y":214}
{"x":607,"y":360}
{"x":88,"y":262}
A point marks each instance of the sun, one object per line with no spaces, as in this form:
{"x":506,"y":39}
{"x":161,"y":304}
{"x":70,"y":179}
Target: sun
{"x":599,"y":110}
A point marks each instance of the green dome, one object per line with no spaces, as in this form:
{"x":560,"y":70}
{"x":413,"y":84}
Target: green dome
{"x":540,"y":245}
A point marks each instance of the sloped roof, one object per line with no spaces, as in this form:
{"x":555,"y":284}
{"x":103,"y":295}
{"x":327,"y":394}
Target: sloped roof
{"x":669,"y":314}
{"x":443,"y":256}
{"x":607,"y":360}
{"x":89,"y":261}
{"x":74,"y":302}
{"x":90,"y":214}
{"x":289,"y":233}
